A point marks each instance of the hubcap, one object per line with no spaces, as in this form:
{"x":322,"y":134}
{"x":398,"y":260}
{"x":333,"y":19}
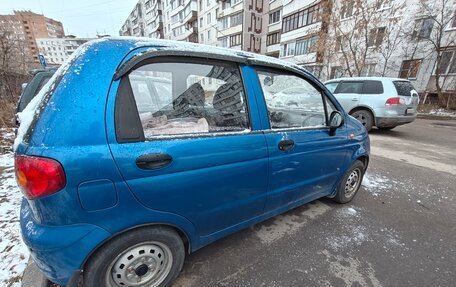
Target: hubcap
{"x":352,"y":183}
{"x":145,"y":264}
{"x":362,"y":119}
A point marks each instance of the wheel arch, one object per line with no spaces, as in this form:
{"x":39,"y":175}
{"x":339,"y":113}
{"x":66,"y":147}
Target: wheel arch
{"x":364,"y":159}
{"x":184,"y":237}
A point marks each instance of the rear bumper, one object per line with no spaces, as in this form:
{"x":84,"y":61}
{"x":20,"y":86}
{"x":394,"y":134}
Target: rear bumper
{"x":382,"y":122}
{"x":59,"y":251}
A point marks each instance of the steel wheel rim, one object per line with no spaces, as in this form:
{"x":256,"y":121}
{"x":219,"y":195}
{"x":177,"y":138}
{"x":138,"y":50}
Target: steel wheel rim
{"x":362,"y":119}
{"x":144,"y":264}
{"x":352,"y":183}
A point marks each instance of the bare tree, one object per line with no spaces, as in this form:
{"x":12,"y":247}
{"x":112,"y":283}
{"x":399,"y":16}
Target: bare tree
{"x":14,"y":60}
{"x":358,"y":35}
{"x":440,"y":14}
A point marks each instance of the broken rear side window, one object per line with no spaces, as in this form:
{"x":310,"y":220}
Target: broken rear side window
{"x":179,"y":98}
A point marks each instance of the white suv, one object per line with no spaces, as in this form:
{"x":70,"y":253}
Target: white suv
{"x":381,"y":102}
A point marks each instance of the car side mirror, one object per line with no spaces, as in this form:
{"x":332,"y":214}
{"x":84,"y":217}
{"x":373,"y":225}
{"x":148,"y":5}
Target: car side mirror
{"x":336,"y":120}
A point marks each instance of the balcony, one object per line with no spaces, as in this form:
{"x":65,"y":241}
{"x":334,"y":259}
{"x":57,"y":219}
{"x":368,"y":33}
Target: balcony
{"x":187,"y":34}
{"x":193,"y":15}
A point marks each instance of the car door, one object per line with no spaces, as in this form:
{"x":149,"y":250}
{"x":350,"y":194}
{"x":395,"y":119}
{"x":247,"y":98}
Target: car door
{"x":186,"y":143}
{"x":348,"y":93}
{"x":305,"y":161}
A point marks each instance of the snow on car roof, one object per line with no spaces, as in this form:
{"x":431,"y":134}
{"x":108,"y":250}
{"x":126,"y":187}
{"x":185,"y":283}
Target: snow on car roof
{"x":206,"y":49}
{"x":365,"y":78}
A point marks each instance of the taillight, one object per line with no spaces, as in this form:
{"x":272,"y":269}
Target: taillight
{"x":38,"y":176}
{"x":395,"y":101}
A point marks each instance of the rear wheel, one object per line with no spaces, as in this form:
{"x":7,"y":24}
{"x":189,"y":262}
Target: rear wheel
{"x":350,"y":184}
{"x":365,"y":117}
{"x":144,"y":257}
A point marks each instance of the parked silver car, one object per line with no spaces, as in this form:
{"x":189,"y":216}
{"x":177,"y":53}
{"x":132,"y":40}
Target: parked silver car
{"x":381,"y":102}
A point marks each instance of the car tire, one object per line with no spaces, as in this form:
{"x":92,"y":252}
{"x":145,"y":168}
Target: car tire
{"x":152,"y":254}
{"x":350,"y":183}
{"x":365,"y":117}
{"x":385,"y":128}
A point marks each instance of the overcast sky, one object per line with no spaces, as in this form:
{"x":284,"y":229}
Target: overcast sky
{"x":83,"y":18}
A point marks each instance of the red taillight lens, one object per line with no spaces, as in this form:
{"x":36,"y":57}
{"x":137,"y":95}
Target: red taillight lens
{"x":395,"y":101}
{"x":39,"y":176}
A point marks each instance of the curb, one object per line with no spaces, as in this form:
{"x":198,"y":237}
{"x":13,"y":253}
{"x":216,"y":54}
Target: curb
{"x":33,"y":277}
{"x":435,"y":117}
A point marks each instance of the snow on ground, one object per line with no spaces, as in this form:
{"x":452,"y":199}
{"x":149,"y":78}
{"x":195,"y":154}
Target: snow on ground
{"x":376,"y":184}
{"x":14,"y":254}
{"x":442,"y":112}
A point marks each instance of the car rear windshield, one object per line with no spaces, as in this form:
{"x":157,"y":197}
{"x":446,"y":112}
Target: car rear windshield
{"x":404,"y":88}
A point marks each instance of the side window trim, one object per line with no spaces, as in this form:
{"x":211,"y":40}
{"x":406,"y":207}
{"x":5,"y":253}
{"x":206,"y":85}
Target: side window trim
{"x":126,"y":87}
{"x":287,"y":72}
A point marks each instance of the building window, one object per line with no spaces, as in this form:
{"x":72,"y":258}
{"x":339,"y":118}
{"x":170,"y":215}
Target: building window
{"x":288,"y":49}
{"x":223,"y":42}
{"x":336,"y":72}
{"x":339,"y":41}
{"x":301,"y":19}
{"x":274,"y":17}
{"x":305,"y":46}
{"x":453,"y":23}
{"x":347,"y":9}
{"x":223,"y":23}
{"x":226,"y":4}
{"x":201,"y":22}
{"x":369,"y":70}
{"x":273,"y":39}
{"x":235,"y":40}
{"x":409,"y":69}
{"x":234,"y":2}
{"x":236,"y":19}
{"x":423,"y":28}
{"x":448,"y":63}
{"x":376,"y":37}
{"x":208,"y":35}
{"x":202,"y":37}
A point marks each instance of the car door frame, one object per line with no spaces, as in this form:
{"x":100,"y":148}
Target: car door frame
{"x":340,"y":138}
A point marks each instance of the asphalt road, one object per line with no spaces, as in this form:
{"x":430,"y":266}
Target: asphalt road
{"x":400,"y":230}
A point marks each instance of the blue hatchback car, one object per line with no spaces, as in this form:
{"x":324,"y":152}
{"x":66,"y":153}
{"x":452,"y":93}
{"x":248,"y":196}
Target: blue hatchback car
{"x":139,"y":151}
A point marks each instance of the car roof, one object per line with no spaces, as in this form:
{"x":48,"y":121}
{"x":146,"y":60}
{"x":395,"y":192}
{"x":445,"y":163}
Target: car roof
{"x":366,"y":78}
{"x":160,"y":47}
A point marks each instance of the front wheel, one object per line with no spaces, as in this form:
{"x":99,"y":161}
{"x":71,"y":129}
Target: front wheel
{"x":350,"y":184}
{"x":151,"y":257}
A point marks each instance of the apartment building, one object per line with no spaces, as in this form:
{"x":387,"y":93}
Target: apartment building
{"x":29,"y":26}
{"x":207,"y":21}
{"x":274,"y":30}
{"x":145,"y":20}
{"x":181,"y":19}
{"x":382,"y":38}
{"x":243,"y":25}
{"x":57,"y":50}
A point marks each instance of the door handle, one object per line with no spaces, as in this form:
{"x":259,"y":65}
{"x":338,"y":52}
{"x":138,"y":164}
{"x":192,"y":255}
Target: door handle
{"x":354,"y":99}
{"x":286,"y":145}
{"x":153,"y":161}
